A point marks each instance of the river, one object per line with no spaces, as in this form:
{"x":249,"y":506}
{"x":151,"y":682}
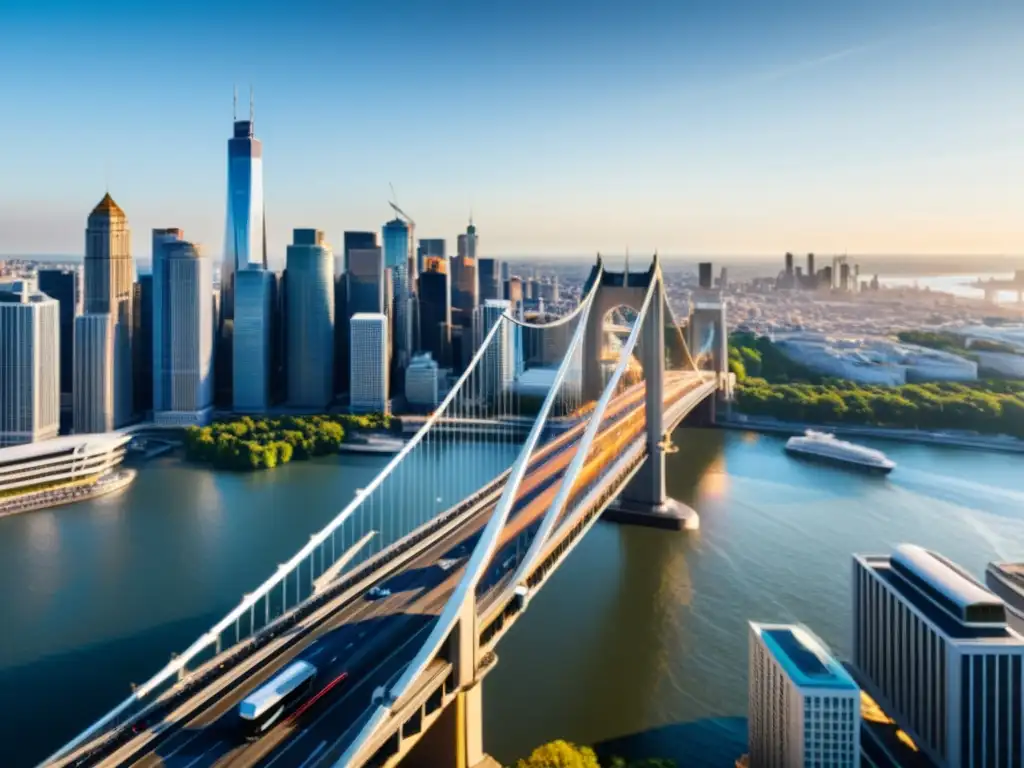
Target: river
{"x":638,"y":643}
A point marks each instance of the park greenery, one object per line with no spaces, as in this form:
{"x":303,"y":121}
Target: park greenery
{"x":246,"y":443}
{"x":951,"y":342}
{"x":563,"y":754}
{"x":770,"y":384}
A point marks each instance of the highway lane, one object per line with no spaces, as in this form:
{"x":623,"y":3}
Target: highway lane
{"x":419,"y":593}
{"x":191,"y":743}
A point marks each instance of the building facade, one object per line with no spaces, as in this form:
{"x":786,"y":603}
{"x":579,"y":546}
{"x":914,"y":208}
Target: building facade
{"x":310,"y":320}
{"x":109,"y":289}
{"x":255,"y":303}
{"x":93,"y":393}
{"x":64,"y":286}
{"x":142,"y":345}
{"x":366,"y":282}
{"x":396,"y":239}
{"x":932,"y":647}
{"x":354,"y":241}
{"x":427,"y":248}
{"x":500,"y":355}
{"x":29,"y":364}
{"x":370,"y":365}
{"x":435,"y":310}
{"x":183,"y":335}
{"x":804,"y":708}
{"x":423,"y":382}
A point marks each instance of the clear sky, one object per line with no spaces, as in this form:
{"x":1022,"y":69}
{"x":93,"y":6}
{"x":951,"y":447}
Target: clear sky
{"x":695,"y":127}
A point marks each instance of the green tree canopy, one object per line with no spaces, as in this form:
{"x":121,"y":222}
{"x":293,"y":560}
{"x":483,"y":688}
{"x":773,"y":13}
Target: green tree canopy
{"x":560,"y":754}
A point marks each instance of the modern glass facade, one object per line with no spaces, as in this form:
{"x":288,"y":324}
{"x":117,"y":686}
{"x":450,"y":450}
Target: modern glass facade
{"x":427,"y":248}
{"x":435,"y":311}
{"x":365,"y":282}
{"x":499,"y":357}
{"x":396,"y":258}
{"x":310,"y":320}
{"x":357,"y":241}
{"x":369,"y":373}
{"x":489,"y":274}
{"x":93,"y":393}
{"x":253,"y":350}
{"x":64,"y":286}
{"x":465,"y":291}
{"x":142,"y":344}
{"x":245,"y":239}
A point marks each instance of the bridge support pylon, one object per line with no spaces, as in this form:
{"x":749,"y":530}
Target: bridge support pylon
{"x":644,"y":500}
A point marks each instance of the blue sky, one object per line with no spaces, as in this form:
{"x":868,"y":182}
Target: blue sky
{"x":697,"y":127}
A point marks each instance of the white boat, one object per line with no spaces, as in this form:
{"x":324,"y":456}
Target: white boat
{"x":821,"y":446}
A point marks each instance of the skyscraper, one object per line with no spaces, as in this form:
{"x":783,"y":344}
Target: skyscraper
{"x":341,"y":332}
{"x":499,"y":358}
{"x":310,"y":320}
{"x":64,"y":285}
{"x":357,"y":241}
{"x":804,"y":708}
{"x":245,"y":238}
{"x":396,"y":258}
{"x":489,"y":274}
{"x":435,"y":310}
{"x":255,"y":304}
{"x":932,"y":647}
{"x":467,"y":243}
{"x":183,"y":334}
{"x":93,"y":395}
{"x":427,"y":248}
{"x":365,"y":276}
{"x":465,"y":290}
{"x":29,"y":364}
{"x":109,"y":288}
{"x":142,"y":344}
{"x":369,"y":375}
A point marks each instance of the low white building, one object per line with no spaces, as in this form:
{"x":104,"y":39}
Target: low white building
{"x":804,"y":708}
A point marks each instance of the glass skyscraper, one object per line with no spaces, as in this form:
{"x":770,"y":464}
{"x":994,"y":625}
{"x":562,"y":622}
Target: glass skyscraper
{"x":64,"y":286}
{"x":369,"y":374}
{"x":396,"y":258}
{"x":489,"y":276}
{"x":255,"y":301}
{"x":310,"y":320}
{"x":357,"y":241}
{"x":427,"y":248}
{"x":435,"y":311}
{"x":245,"y":239}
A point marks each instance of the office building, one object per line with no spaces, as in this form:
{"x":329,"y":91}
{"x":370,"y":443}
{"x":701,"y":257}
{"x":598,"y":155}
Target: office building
{"x":465,"y":289}
{"x":369,"y":379}
{"x":341,"y":332}
{"x":810,"y":264}
{"x":142,"y":345}
{"x":396,"y":239}
{"x":93,"y":395}
{"x":499,"y":358}
{"x":310,"y":320}
{"x":109,"y":288}
{"x":803,"y":707}
{"x":423,"y":382}
{"x":356,"y":241}
{"x":844,"y":277}
{"x":430,"y":248}
{"x":489,"y":276}
{"x":366,"y":282}
{"x":704,"y":274}
{"x":183,"y":335}
{"x":435,"y":310}
{"x":789,"y":266}
{"x":467,"y":243}
{"x":255,"y":305}
{"x":723,"y":280}
{"x":64,"y":286}
{"x":931,"y":645}
{"x":29,"y":364}
{"x":514,"y":291}
{"x":506,"y":272}
{"x":245,"y":238}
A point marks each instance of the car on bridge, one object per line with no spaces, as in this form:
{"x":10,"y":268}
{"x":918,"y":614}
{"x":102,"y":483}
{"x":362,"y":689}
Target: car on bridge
{"x":376,"y":593}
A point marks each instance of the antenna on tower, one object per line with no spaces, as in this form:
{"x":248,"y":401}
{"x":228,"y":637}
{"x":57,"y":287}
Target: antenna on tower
{"x":234,"y":104}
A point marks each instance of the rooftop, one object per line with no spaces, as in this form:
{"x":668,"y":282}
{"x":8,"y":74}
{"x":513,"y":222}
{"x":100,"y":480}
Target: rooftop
{"x":940,"y":573}
{"x":107,"y":207}
{"x":804,"y":657}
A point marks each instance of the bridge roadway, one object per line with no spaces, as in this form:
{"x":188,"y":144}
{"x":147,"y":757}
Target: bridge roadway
{"x":366,"y":643}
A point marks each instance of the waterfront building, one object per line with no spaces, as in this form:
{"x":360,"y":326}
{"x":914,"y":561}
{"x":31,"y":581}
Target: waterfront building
{"x":29,"y":364}
{"x":370,"y":365}
{"x":356,"y":241}
{"x":435,"y":310}
{"x":423,"y":382}
{"x":109,"y":287}
{"x":931,"y":645}
{"x":499,"y":358}
{"x":366,"y":282}
{"x":93,"y":394}
{"x":64,"y":286}
{"x":183,"y":334}
{"x":489,"y":275}
{"x":396,"y":238}
{"x":142,"y":345}
{"x":803,"y":707}
{"x":255,"y":301}
{"x":25,"y":468}
{"x":428,"y":248}
{"x":310,"y":320}
{"x":245,"y":238}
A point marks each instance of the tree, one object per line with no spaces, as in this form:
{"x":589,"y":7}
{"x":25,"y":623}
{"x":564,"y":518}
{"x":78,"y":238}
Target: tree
{"x":560,"y":754}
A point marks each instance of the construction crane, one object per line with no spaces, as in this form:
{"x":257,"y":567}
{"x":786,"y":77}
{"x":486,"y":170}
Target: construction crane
{"x":393,"y":202}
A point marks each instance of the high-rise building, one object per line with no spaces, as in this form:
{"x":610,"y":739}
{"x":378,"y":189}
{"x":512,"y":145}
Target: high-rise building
{"x":310,"y":320}
{"x":366,"y":282}
{"x":810,"y":264}
{"x":341,"y":332}
{"x":506,"y":272}
{"x":93,"y":394}
{"x":428,"y":248}
{"x":489,"y":275}
{"x":514,"y":290}
{"x":704,"y":278}
{"x":931,"y":645}
{"x":109,"y":287}
{"x":368,"y":392}
{"x":183,"y":334}
{"x":29,"y":364}
{"x":844,"y":277}
{"x":357,"y":241}
{"x":255,"y":305}
{"x":467,"y":243}
{"x":435,"y":310}
{"x":804,"y":708}
{"x":499,"y":359}
{"x":422,"y":382}
{"x":789,"y":266}
{"x":465,"y":290}
{"x":64,"y":286}
{"x":396,"y":258}
{"x":245,"y":237}
{"x":142,"y":344}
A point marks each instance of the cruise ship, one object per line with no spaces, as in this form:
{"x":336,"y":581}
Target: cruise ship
{"x":57,"y":471}
{"x":824,"y":447}
{"x":1007,"y":581}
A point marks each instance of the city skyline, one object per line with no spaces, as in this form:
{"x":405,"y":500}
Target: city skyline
{"x":684,"y":130}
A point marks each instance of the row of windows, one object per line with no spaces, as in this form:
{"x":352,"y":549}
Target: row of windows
{"x":990,"y":711}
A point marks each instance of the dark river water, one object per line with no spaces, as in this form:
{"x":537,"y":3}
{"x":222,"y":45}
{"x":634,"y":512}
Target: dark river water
{"x":637,"y":644}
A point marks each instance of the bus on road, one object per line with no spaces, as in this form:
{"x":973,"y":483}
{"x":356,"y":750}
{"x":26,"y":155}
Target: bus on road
{"x":265,"y":706}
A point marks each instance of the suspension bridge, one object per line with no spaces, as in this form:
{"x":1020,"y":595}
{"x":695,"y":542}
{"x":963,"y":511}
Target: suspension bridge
{"x":400,"y":601}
